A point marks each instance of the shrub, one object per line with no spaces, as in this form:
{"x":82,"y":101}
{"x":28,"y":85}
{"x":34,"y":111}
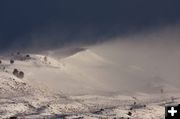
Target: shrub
{"x":27,"y":56}
{"x":130,"y":113}
{"x":11,"y":61}
{"x":21,"y":74}
{"x":15,"y":72}
{"x":13,"y":117}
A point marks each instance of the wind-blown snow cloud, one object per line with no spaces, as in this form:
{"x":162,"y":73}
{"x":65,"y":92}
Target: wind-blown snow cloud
{"x":150,"y":57}
{"x":143,"y":62}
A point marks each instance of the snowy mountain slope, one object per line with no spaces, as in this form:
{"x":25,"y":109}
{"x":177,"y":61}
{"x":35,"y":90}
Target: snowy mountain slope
{"x":113,"y":76}
{"x":80,"y":85}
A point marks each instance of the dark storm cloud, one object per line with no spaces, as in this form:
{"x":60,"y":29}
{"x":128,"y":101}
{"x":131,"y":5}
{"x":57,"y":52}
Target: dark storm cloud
{"x":52,"y":23}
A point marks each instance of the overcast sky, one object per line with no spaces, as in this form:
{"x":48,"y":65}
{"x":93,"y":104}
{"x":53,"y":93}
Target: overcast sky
{"x":54,"y":23}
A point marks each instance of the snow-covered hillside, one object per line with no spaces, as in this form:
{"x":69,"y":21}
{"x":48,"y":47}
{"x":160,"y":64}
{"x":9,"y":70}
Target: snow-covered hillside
{"x":80,"y":84}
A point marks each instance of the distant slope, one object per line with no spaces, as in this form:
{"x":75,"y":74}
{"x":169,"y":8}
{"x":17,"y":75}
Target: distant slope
{"x":86,"y":57}
{"x":105,"y":75}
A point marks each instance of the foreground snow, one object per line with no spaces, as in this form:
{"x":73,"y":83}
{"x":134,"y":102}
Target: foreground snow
{"x":48,"y":91}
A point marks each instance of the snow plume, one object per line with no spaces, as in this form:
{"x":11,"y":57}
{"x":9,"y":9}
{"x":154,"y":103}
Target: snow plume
{"x":148,"y":60}
{"x":145,"y":62}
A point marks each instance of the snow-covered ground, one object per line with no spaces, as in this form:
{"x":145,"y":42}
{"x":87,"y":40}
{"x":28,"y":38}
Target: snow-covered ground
{"x":81,"y":85}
